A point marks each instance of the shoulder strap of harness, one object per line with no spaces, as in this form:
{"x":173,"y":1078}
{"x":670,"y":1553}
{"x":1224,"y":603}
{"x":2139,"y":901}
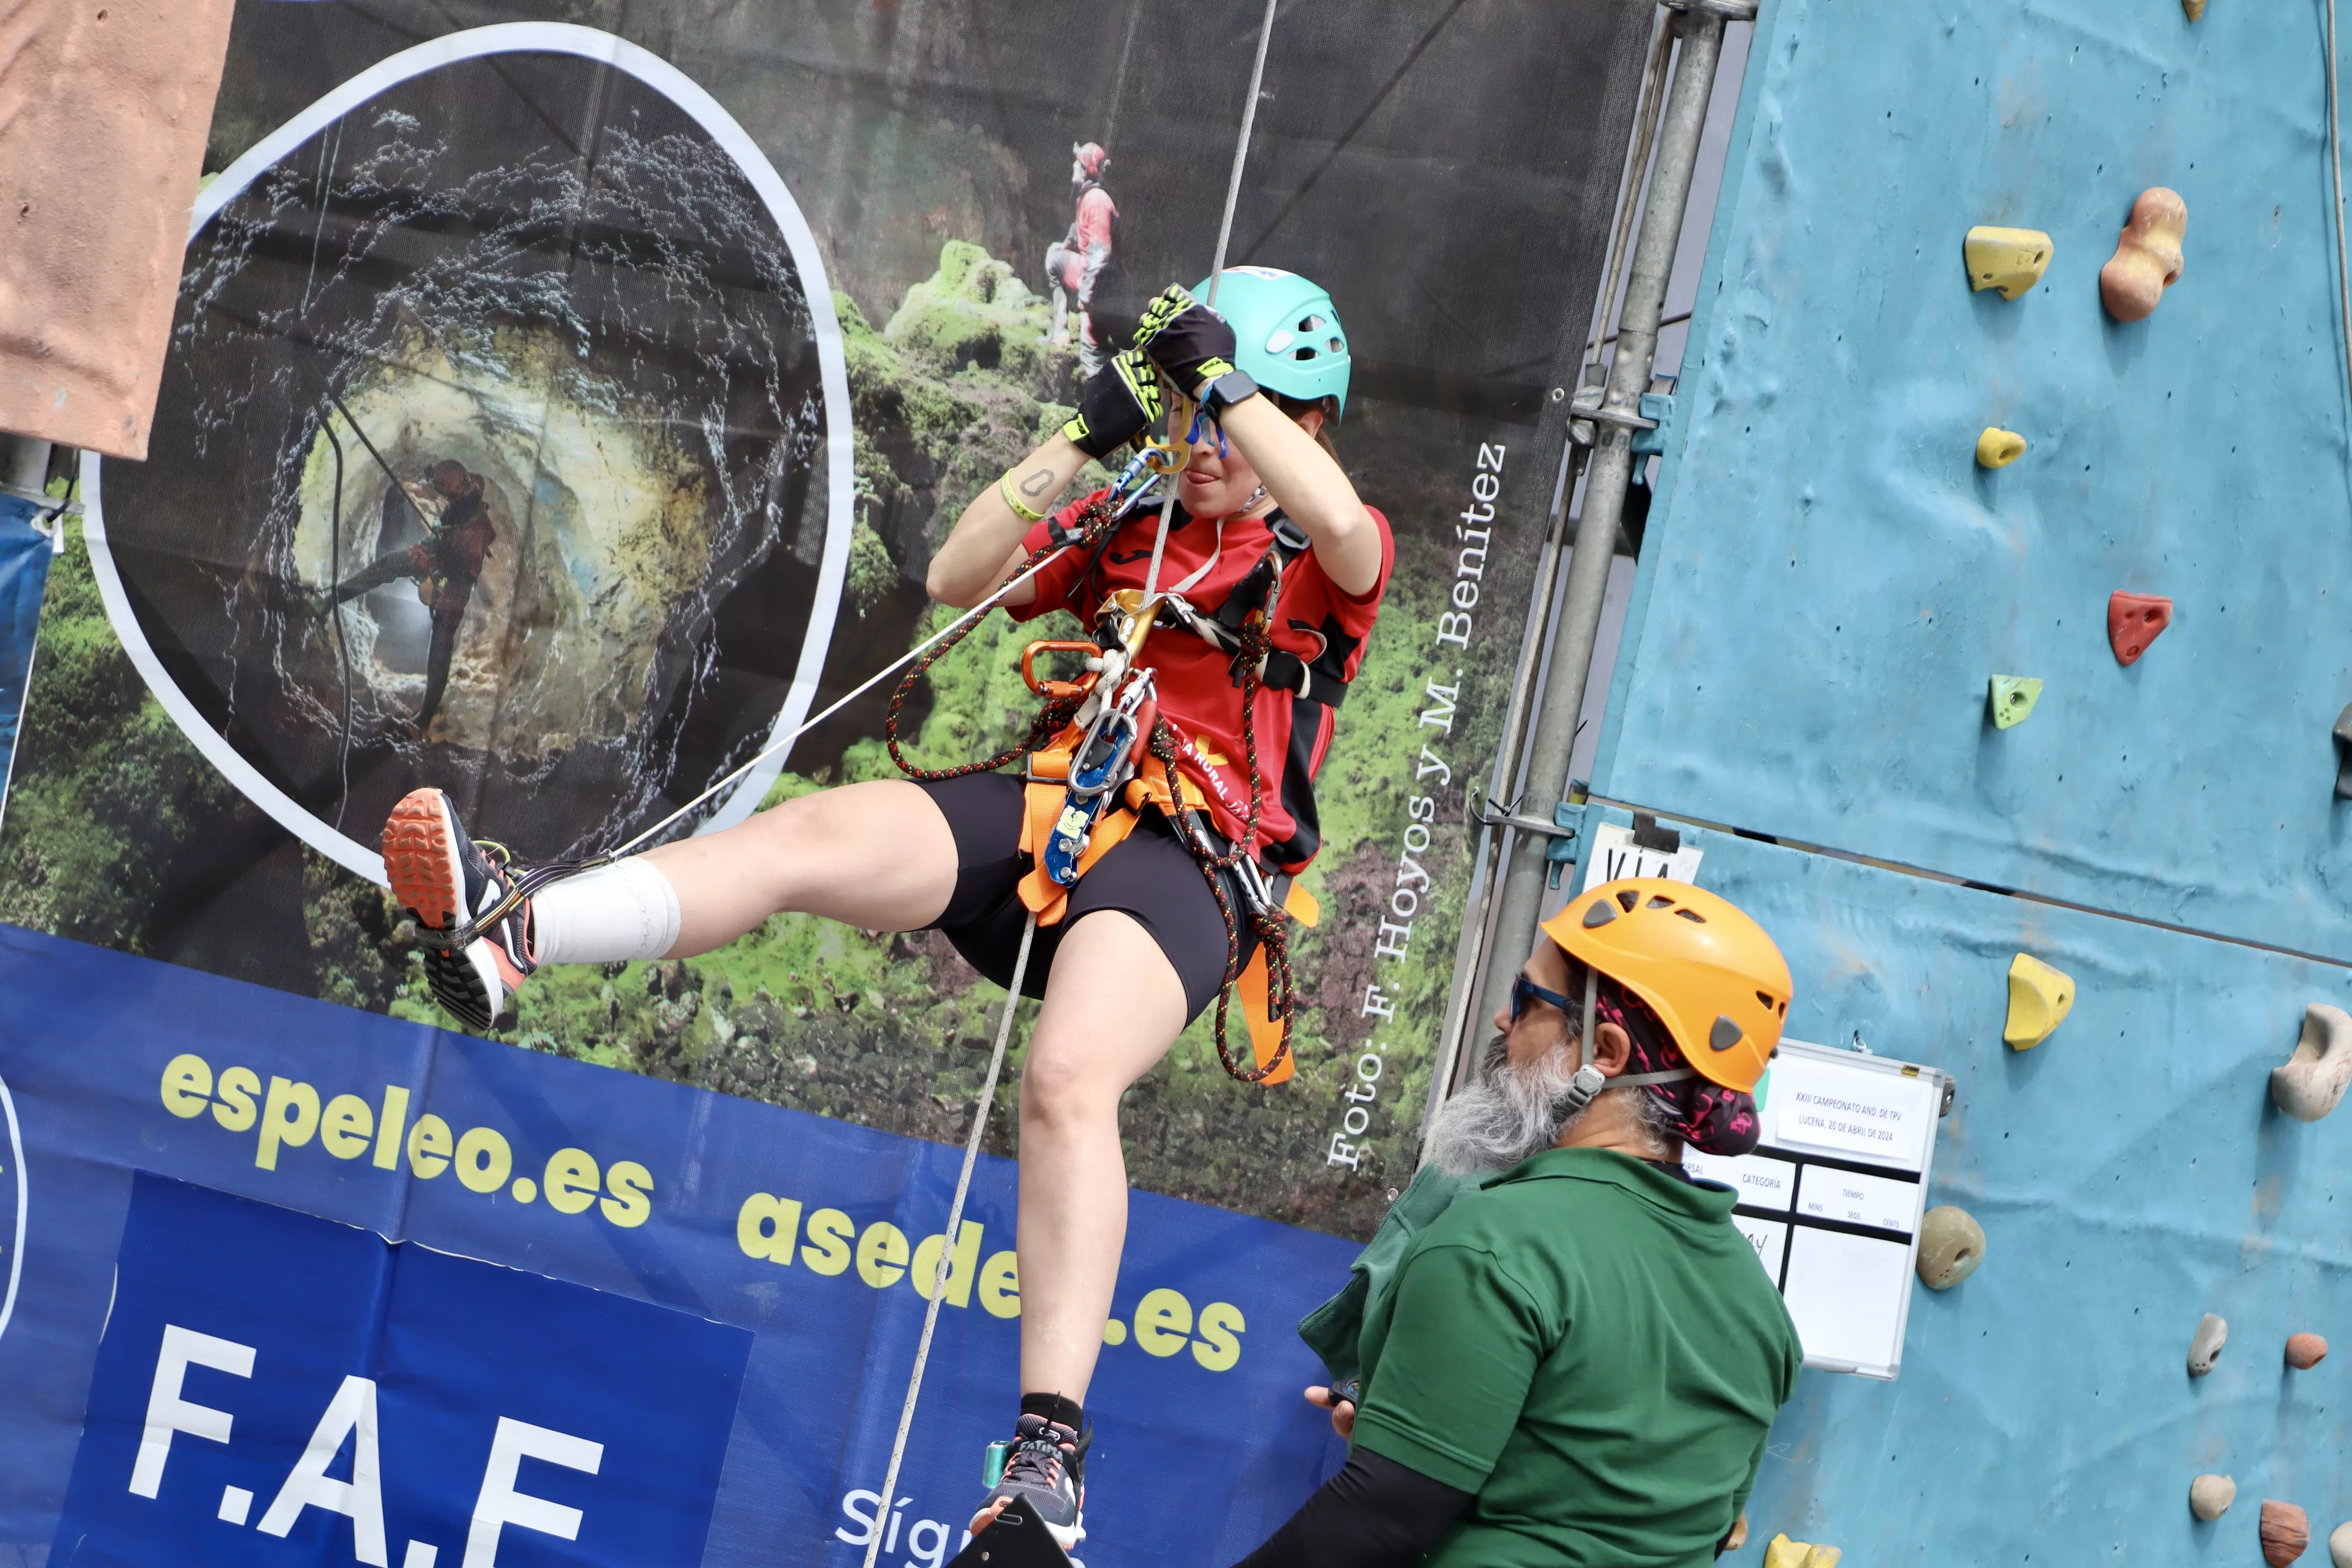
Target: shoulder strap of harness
{"x":1259,"y":593}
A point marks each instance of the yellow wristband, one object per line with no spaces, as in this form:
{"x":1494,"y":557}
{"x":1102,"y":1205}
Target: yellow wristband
{"x":1027,"y":514}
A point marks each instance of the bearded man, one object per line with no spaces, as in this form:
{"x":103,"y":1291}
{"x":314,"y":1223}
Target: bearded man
{"x":1576,"y":1359}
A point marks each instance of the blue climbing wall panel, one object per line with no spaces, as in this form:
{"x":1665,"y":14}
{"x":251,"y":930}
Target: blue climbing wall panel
{"x":1830,"y":579}
{"x":1827,"y":582}
{"x":2131,"y":1174}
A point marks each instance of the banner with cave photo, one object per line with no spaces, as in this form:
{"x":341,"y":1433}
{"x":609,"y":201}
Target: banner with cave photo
{"x":564,"y":403}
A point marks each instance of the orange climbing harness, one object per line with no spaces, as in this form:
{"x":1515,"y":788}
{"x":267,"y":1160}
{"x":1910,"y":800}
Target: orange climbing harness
{"x":1093,"y":748}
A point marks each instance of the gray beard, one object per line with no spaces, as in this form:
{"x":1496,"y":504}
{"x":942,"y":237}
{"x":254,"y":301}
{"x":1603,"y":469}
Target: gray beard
{"x":1510,"y":1114}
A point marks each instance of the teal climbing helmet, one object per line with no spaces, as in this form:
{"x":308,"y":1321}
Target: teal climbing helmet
{"x":1286,"y":331}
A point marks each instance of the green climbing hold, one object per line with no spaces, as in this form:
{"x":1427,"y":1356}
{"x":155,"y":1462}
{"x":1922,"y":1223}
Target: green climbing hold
{"x":2013,"y":697}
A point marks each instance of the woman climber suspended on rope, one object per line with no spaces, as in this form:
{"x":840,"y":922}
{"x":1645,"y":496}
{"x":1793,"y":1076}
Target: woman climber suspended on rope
{"x":1144,"y":942}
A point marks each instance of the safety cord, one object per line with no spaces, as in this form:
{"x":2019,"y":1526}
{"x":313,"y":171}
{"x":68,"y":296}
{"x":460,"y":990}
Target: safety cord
{"x":399,"y":490}
{"x":335,"y":609}
{"x":528,"y":883}
{"x":335,"y":570}
{"x":947,"y":1247}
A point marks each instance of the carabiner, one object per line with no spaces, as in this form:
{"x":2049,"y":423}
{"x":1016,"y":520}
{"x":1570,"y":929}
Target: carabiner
{"x":1051,"y":688}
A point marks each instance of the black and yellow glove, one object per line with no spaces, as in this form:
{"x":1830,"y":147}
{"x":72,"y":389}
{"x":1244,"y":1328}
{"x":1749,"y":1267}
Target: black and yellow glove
{"x":1191,"y":343}
{"x":1118,"y":404}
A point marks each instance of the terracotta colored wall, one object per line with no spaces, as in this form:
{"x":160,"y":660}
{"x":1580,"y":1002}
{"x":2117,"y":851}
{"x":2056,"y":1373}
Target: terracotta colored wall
{"x":104,"y":107}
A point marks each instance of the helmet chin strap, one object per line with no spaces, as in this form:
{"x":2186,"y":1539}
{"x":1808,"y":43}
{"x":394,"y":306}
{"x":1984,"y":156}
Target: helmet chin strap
{"x":1590,"y":1080}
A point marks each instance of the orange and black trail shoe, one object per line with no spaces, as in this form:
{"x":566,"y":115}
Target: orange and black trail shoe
{"x":446,"y":880}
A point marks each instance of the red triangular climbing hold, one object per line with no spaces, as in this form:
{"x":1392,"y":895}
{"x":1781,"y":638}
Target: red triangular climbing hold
{"x":2133,"y":621}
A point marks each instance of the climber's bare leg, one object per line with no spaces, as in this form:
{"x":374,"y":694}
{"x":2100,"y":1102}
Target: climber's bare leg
{"x":1113,"y":1006}
{"x":877,"y":854}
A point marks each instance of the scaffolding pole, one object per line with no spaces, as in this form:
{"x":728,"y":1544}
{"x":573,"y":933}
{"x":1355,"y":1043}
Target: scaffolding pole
{"x":1699,"y":25}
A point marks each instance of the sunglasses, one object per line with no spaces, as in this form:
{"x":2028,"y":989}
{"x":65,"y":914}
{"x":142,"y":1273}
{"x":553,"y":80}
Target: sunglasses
{"x":1524,"y":991}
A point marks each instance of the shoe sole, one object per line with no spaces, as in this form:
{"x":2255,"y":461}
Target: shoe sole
{"x":458,"y":986}
{"x":1065,"y":1536}
{"x":420,"y":859}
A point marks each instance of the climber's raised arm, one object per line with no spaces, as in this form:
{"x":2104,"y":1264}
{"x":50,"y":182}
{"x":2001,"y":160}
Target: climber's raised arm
{"x":1119,"y":403}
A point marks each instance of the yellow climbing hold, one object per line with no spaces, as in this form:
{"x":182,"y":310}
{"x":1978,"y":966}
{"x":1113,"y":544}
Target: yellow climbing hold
{"x":2012,"y":697}
{"x":1784,"y":1552}
{"x":2009,"y":259}
{"x":2040,"y":997}
{"x":1998,"y":448}
{"x":2196,"y":9}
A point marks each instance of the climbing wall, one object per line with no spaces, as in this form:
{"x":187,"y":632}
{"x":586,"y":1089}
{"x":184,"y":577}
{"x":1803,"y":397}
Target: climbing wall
{"x":1839,"y":622}
{"x":1835,"y":578}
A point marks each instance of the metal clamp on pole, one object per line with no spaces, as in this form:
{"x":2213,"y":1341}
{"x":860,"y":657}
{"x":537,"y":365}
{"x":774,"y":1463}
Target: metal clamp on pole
{"x":1563,"y":836}
{"x":1730,"y":10}
{"x":1602,"y":415}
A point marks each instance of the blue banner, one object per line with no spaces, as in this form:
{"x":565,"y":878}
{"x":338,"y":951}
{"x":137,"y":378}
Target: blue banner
{"x":287,"y":1390}
{"x":499,"y":1246}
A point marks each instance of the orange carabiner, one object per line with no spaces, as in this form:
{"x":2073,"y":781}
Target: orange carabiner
{"x":1050,"y":687}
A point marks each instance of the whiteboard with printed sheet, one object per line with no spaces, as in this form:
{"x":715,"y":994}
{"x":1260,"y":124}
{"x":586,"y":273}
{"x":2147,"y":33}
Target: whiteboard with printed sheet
{"x":1831,"y":1198}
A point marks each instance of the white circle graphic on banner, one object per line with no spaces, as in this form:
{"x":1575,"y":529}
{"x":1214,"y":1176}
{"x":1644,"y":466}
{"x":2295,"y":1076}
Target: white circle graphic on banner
{"x":825,"y":556}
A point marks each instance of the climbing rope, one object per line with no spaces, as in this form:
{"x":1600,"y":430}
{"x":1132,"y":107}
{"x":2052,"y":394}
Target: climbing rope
{"x":1126,"y":492}
{"x":1266,"y":921}
{"x":1094,"y":525}
{"x":947,"y":1247}
{"x":335,"y":609}
{"x":1217,"y":263}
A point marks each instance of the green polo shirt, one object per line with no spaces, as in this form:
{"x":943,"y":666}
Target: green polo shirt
{"x":1588,"y":1345}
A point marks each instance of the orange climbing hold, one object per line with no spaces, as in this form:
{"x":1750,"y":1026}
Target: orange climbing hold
{"x":2133,"y":621}
{"x":2305,"y":1350}
{"x":2148,"y":256}
{"x":2287,"y":1530}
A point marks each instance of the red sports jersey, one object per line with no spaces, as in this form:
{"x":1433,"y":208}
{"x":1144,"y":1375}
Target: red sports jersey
{"x":1324,"y":628}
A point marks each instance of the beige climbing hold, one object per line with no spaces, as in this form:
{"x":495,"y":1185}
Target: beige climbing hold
{"x":2040,"y":997}
{"x":2339,"y":1545}
{"x":2210,"y":1497}
{"x":2009,"y":260}
{"x":2148,"y":256}
{"x":1783,"y":1552}
{"x":2312,"y":1082}
{"x":1951,"y":1245}
{"x":2205,"y":1348}
{"x":2305,"y":1350}
{"x":1998,"y":448}
{"x":2287,"y":1530}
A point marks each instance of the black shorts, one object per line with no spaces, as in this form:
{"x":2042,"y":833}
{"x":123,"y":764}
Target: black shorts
{"x":1148,"y":875}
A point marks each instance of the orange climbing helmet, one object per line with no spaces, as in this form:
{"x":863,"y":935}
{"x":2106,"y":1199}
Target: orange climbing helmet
{"x":1704,"y":968}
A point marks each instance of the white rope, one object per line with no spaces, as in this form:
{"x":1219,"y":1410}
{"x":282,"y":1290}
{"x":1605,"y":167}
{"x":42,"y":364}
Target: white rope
{"x":1217,"y":267}
{"x":869,"y":683}
{"x":947,"y":1242}
{"x":1029,"y":929}
{"x":1241,"y":151}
